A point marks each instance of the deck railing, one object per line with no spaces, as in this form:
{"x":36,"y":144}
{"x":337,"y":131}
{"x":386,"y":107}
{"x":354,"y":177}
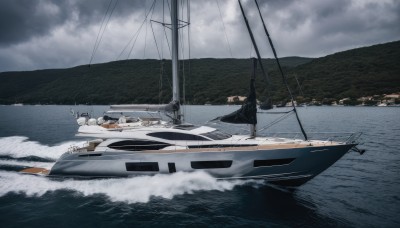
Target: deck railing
{"x":344,"y":137}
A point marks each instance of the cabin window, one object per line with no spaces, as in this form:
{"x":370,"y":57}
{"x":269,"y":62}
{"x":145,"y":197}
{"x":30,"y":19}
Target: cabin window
{"x":89,"y":155}
{"x":177,"y":136}
{"x":171,"y":168}
{"x":137,"y":145}
{"x":211,"y":164}
{"x":217,"y":135}
{"x":272,"y":162}
{"x":142,"y":166}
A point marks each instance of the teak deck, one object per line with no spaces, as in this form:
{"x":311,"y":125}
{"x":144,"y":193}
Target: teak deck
{"x":247,"y":148}
{"x":36,"y":171}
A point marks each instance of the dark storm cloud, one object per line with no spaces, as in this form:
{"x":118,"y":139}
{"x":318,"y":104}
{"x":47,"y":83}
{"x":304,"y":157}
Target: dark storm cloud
{"x":322,"y":27}
{"x":61,"y":33}
{"x":21,"y":20}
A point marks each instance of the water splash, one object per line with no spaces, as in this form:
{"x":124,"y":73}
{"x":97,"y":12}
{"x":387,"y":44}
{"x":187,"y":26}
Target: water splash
{"x":20,"y":146}
{"x":131,"y":190}
{"x":46,"y":165}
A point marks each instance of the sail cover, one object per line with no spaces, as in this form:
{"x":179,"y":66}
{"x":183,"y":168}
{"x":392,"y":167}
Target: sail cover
{"x":247,"y":114}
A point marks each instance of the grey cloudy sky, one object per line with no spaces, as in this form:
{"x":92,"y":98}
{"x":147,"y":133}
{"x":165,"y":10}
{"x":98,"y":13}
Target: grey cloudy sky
{"x":38,"y":34}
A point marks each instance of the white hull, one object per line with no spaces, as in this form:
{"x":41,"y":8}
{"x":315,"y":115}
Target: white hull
{"x":290,"y":166}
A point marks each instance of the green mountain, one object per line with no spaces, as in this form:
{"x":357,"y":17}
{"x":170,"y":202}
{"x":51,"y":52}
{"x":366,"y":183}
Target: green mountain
{"x":354,"y":73}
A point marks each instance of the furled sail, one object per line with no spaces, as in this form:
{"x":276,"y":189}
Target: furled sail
{"x":247,"y":114}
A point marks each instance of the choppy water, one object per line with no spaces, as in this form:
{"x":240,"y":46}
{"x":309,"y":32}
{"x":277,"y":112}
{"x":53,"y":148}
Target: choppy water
{"x":358,"y":191}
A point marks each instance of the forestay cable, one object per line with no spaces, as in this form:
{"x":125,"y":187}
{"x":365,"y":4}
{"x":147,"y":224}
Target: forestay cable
{"x":281,"y":71}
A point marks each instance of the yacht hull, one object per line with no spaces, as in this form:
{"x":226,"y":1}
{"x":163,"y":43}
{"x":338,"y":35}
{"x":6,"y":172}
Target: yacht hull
{"x":293,"y":166}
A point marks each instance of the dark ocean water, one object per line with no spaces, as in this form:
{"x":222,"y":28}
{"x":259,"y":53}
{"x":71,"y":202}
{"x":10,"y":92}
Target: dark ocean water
{"x":357,"y":191}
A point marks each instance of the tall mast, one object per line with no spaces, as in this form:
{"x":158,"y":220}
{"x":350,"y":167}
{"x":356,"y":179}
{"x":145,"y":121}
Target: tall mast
{"x":175,"y":55}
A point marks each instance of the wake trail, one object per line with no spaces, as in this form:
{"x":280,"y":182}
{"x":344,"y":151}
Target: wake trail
{"x":138,"y":189}
{"x":20,"y":146}
{"x":46,"y":165}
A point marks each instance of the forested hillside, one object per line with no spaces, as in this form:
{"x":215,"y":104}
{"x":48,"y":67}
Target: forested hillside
{"x":354,"y":73}
{"x":359,"y":72}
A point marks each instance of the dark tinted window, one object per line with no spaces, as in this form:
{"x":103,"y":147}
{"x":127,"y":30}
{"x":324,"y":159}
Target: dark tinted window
{"x":211,"y":164}
{"x":217,"y":135}
{"x":171,"y":168}
{"x":134,"y":145}
{"x":142,"y":166}
{"x":272,"y":162}
{"x":177,"y":136}
{"x":89,"y":155}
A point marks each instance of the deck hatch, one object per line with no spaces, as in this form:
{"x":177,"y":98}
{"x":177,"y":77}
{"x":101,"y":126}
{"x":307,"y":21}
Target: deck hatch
{"x":211,"y":164}
{"x":142,"y":166}
{"x":272,"y":162}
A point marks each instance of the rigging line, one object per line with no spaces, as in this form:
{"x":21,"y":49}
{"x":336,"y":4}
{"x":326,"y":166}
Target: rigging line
{"x":298,"y":84}
{"x":146,"y":15}
{"x":98,"y":34}
{"x":151,"y":25}
{"x":104,"y":28}
{"x":274,"y":112}
{"x":151,"y":18}
{"x":145,"y":36}
{"x":155,"y":41}
{"x":165,"y":32}
{"x":169,"y":7}
{"x":96,"y":43}
{"x":189,"y":56}
{"x":134,"y":42}
{"x":169,"y":47}
{"x":223,"y":26}
{"x":127,"y":45}
{"x":281,"y":71}
{"x":279,"y":119}
{"x":254,"y":43}
{"x":251,"y":49}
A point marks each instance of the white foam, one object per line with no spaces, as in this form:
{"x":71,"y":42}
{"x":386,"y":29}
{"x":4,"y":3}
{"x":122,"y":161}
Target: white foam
{"x":130,"y":190}
{"x":46,"y":165}
{"x":20,"y":146}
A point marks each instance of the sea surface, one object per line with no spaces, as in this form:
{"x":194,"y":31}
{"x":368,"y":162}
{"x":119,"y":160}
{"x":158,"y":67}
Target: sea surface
{"x":357,"y":191}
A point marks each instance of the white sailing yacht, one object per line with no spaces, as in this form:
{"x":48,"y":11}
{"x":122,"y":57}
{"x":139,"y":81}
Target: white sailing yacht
{"x":130,"y":146}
